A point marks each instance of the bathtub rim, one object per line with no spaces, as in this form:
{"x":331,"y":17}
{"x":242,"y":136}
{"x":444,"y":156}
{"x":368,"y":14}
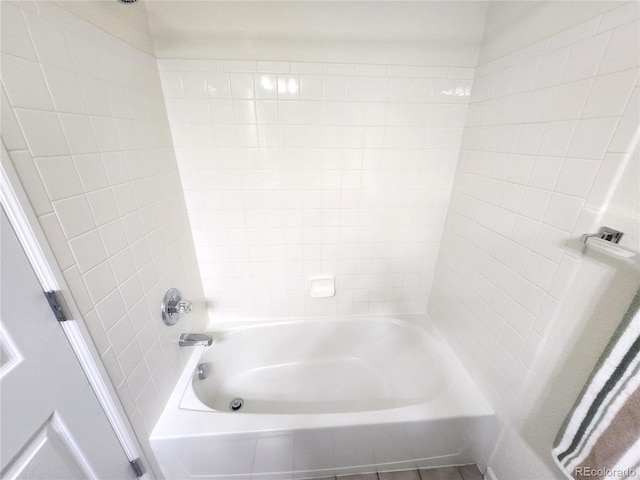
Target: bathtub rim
{"x":463,"y":393}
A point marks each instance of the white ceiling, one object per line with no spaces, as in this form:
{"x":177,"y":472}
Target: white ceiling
{"x":423,"y":32}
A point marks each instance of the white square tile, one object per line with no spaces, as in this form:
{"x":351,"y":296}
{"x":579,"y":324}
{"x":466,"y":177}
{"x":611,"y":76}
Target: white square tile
{"x":570,"y":100}
{"x":88,"y":250}
{"x":512,"y":341}
{"x":310,"y":113}
{"x":113,"y":237}
{"x":266,"y":86}
{"x":534,"y":203}
{"x":334,"y":88}
{"x":531,"y":297}
{"x":551,"y":242}
{"x":172,"y":84}
{"x":95,"y":96}
{"x":524,"y":75}
{"x":197,"y":110}
{"x":619,"y":16}
{"x":584,"y":57}
{"x":83,"y":54}
{"x":30,"y":178}
{"x":556,"y":138}
{"x":563,"y":211}
{"x":25,"y":83}
{"x":131,"y":291}
{"x":49,"y":41}
{"x":531,"y":349}
{"x":544,"y":172}
{"x":59,"y":177}
{"x":91,"y":172}
{"x":123,"y":265}
{"x":125,"y":199}
{"x":267,"y":112}
{"x":99,"y":282}
{"x":627,"y":128}
{"x":289,"y":112}
{"x":75,"y":215}
{"x":130,"y":358}
{"x":311,"y":87}
{"x":288,"y":87}
{"x":377,"y":89}
{"x":577,"y":176}
{"x":520,"y":169}
{"x":540,"y":104}
{"x":609,"y":94}
{"x":221,"y":111}
{"x":525,"y":231}
{"x":105,"y":133}
{"x":604,"y":184}
{"x":98,"y":335}
{"x":516,"y":257}
{"x":79,"y":133}
{"x":623,"y":51}
{"x":57,"y":240}
{"x":111,"y":309}
{"x":103,"y":206}
{"x":11,"y":134}
{"x":242,"y":85}
{"x":15,"y":37}
{"x":540,"y":271}
{"x":218,"y":85}
{"x":65,"y":90}
{"x":138,"y":379}
{"x":564,"y":277}
{"x":575,"y":34}
{"x":194,"y":85}
{"x":111,"y":365}
{"x":592,"y":137}
{"x":133,"y":228}
{"x":42,"y":132}
{"x":244,"y":111}
{"x":115,"y":167}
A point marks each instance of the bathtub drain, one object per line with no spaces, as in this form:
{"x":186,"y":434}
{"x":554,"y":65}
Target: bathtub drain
{"x":236,"y":404}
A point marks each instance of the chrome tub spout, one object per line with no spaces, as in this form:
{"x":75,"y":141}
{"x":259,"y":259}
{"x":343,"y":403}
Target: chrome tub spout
{"x":195,"y":339}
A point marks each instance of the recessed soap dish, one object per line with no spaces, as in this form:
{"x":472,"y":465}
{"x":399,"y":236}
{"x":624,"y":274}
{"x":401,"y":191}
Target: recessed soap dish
{"x":322,"y":286}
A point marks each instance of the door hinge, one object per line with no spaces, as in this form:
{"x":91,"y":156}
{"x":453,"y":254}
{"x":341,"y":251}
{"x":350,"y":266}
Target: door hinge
{"x":136,"y":466}
{"x":57,"y":304}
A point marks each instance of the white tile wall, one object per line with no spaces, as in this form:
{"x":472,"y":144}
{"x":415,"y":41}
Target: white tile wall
{"x":91,"y":144}
{"x":297,"y":169}
{"x":536,"y":159}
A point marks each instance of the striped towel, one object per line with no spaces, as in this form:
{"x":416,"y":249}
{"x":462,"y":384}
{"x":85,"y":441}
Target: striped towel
{"x":601,"y":436}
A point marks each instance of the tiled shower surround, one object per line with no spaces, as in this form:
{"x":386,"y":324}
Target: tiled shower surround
{"x":549,"y":128}
{"x":296,"y":169}
{"x":84,"y":122}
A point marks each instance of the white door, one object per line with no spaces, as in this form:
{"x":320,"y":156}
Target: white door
{"x":51,"y":424}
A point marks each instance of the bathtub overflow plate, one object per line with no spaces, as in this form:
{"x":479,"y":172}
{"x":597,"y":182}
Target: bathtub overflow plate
{"x":236,"y":404}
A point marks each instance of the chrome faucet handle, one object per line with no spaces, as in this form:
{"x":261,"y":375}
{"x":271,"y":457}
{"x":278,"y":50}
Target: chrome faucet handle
{"x":173,"y":306}
{"x":183,"y":306}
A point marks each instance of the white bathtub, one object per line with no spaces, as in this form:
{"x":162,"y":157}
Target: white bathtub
{"x":322,"y":397}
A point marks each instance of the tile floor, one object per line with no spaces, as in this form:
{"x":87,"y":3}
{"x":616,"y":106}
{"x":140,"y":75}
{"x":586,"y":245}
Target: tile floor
{"x":465,"y":472}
